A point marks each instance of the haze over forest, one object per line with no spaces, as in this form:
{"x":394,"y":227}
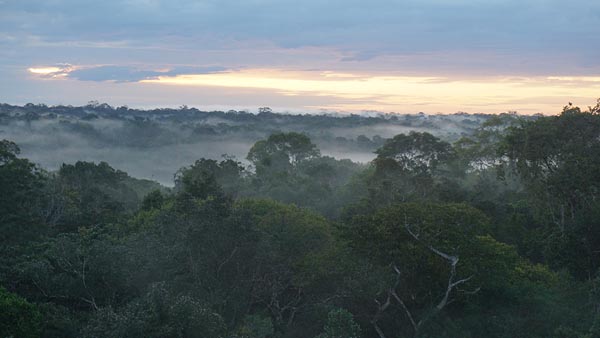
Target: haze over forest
{"x":154,"y":144}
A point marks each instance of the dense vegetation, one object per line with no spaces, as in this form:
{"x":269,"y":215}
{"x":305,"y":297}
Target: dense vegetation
{"x":494,"y":234}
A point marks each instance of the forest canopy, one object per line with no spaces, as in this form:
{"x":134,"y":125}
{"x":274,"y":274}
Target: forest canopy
{"x":490,"y":232}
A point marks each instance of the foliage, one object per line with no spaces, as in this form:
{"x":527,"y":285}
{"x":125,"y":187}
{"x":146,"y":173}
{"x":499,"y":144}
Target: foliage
{"x":21,"y":204}
{"x":410,"y":167}
{"x":18,"y":318}
{"x":558,"y":158}
{"x":157,"y":314}
{"x":340,"y":324}
{"x":495,"y":235}
{"x":89,"y":194}
{"x":281,"y":150}
{"x":207,"y":174}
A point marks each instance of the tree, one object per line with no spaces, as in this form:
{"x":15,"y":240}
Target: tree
{"x":340,"y":324}
{"x":256,"y":326}
{"x":422,"y":245}
{"x":409,"y":167}
{"x":558,"y":160}
{"x":281,"y":150}
{"x":21,"y":200}
{"x":481,"y":150}
{"x":88,"y":194}
{"x":18,"y":318}
{"x":205,"y":175}
{"x":420,"y":153}
{"x":157,"y":314}
{"x":285,"y":269}
{"x":154,"y":200}
{"x":77,"y":270}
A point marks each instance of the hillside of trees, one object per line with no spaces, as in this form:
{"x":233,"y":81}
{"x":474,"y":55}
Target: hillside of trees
{"x":490,"y":228}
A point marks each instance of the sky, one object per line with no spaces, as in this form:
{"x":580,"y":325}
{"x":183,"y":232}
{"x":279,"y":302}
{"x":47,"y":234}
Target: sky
{"x":432,"y":56}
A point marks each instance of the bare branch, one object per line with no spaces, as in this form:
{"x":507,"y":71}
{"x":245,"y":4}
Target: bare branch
{"x":380,"y":309}
{"x":92,"y":302}
{"x":406,"y":310}
{"x":452,"y":259}
{"x":452,"y":284}
{"x":469,"y":292}
{"x":226,"y":260}
{"x":392,"y":293}
{"x":378,"y":329}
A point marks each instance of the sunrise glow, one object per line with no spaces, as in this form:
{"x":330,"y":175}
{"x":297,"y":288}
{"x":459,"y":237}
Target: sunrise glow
{"x":44,"y":70}
{"x":380,"y":92}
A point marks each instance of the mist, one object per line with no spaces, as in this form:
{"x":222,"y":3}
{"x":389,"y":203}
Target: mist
{"x":154,"y":144}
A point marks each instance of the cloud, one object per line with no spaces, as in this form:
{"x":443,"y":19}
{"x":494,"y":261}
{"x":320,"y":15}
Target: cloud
{"x":359,"y":27}
{"x":112,"y":73}
{"x":117,"y":73}
{"x":54,"y":71}
{"x":133,"y":40}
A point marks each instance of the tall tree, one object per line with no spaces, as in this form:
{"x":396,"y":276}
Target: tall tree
{"x":282,"y":150}
{"x":21,"y":207}
{"x":408,"y":167}
{"x":558,"y":159}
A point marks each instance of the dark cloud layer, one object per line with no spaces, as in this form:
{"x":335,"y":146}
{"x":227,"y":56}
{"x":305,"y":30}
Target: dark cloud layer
{"x":362,"y":29}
